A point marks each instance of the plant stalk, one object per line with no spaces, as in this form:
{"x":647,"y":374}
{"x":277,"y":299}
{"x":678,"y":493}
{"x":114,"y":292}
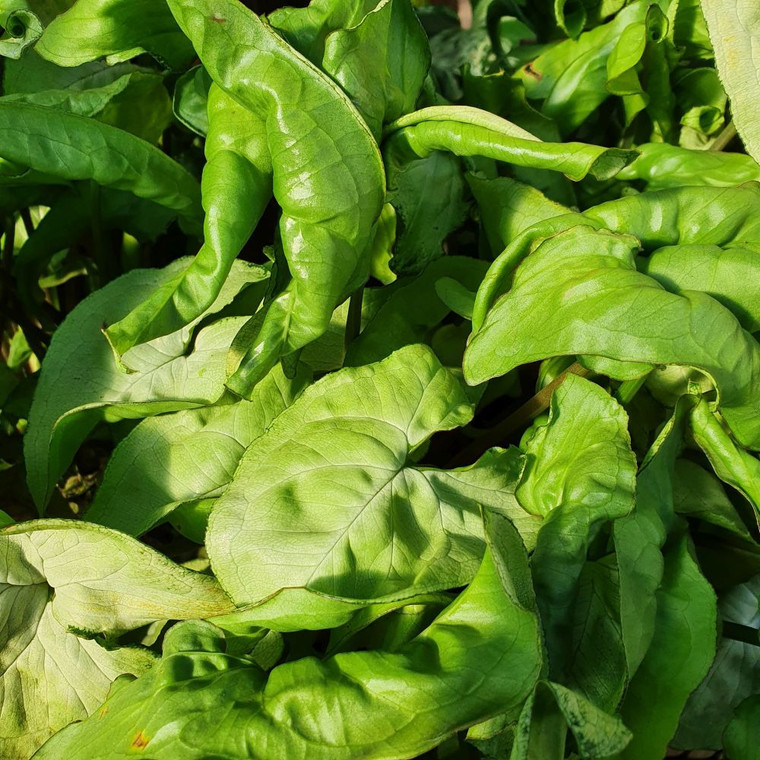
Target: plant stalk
{"x":725,"y":137}
{"x":520,"y":418}
{"x":354,"y":318}
{"x":743,"y":633}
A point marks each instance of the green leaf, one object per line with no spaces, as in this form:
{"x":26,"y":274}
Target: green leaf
{"x":640,"y":538}
{"x":389,"y":619}
{"x":661,"y":165}
{"x":596,"y":667}
{"x":381,"y":62}
{"x":307,"y":29}
{"x":479,"y":657}
{"x":72,"y":216}
{"x":508,"y":207}
{"x":742,"y":736}
{"x":579,"y":293}
{"x":191,"y":455}
{"x":571,"y":76}
{"x":73,"y":147}
{"x":330,"y":188}
{"x":119,"y":29}
{"x":732,"y":464}
{"x":732,"y":27}
{"x":236,"y":188}
{"x":690,"y":30}
{"x":73,"y":396}
{"x":136,"y":102}
{"x":458,"y":298}
{"x":26,"y":30}
{"x":580,"y":474}
{"x":699,"y":494}
{"x":581,"y":457}
{"x":425,"y":219}
{"x":677,"y":660}
{"x":546,"y":717}
{"x":190,"y":103}
{"x":467,"y":131}
{"x":504,"y":95}
{"x":23,"y":22}
{"x":33,"y":73}
{"x":490,"y":483}
{"x":734,"y":675}
{"x":59,"y":578}
{"x":412,"y":309}
{"x":723,"y":273}
{"x":686,"y":215}
{"x":571,"y":16}
{"x":348,"y":514}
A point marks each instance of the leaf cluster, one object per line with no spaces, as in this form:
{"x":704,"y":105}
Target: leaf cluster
{"x":379,"y":382}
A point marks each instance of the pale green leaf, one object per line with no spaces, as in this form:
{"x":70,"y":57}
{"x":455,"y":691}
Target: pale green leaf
{"x":733,"y":28}
{"x":508,"y":207}
{"x":579,"y":293}
{"x":236,"y":188}
{"x":662,"y":165}
{"x":119,"y":29}
{"x":347,"y":513}
{"x":479,"y":657}
{"x":467,"y":131}
{"x":61,"y":578}
{"x":732,"y":463}
{"x":727,"y":274}
{"x":191,"y":455}
{"x":330,"y":186}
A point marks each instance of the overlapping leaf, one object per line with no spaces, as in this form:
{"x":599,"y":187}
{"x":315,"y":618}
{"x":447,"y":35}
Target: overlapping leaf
{"x":582,"y":307}
{"x":329,"y":208}
{"x":480,"y":656}
{"x":186,"y":457}
{"x":580,"y":474}
{"x":72,"y":397}
{"x":328,"y":499}
{"x":60,"y":580}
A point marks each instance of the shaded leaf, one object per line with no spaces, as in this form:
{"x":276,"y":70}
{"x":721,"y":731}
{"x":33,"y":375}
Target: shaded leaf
{"x":347,"y":513}
{"x":481,"y":655}
{"x":678,"y":659}
{"x":73,"y":396}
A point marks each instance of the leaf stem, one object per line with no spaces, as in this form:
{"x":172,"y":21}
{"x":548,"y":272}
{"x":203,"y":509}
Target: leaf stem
{"x":9,"y":242}
{"x":628,"y":389}
{"x":354,"y":318}
{"x":725,"y":137}
{"x":520,"y":418}
{"x":26,"y":217}
{"x":5,"y":270}
{"x":744,"y":633}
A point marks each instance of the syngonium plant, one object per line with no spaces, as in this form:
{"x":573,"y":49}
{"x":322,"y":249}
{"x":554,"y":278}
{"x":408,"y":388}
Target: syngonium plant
{"x":422,"y":362}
